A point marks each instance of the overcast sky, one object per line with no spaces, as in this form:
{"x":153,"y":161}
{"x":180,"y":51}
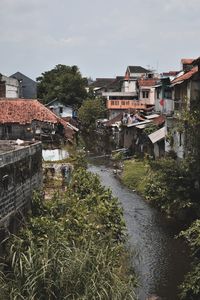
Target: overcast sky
{"x":101,"y":37}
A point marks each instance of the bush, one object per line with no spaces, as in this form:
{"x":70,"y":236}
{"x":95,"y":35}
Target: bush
{"x":71,"y":249}
{"x":190,"y":288}
{"x":170,"y":186}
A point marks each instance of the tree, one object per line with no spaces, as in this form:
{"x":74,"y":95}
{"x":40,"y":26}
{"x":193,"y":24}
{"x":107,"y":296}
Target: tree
{"x":90,"y":111}
{"x":64,"y":83}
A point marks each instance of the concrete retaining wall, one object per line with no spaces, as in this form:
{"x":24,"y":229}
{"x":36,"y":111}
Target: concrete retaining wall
{"x":20,"y":175}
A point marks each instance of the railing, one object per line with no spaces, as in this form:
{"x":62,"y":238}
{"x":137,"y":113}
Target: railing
{"x":126,"y":104}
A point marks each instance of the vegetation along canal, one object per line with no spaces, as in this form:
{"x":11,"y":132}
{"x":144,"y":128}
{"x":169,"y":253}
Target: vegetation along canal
{"x":160,"y":261}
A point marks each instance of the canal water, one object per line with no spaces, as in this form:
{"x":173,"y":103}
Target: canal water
{"x":160,"y":261}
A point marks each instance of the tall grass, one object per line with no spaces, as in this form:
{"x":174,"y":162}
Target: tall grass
{"x":71,"y":248}
{"x":134,"y":174}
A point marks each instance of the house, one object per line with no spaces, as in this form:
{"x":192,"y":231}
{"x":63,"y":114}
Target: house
{"x":133,"y":73}
{"x":185,"y":92}
{"x":101,"y":85}
{"x":9,"y":87}
{"x":164,"y":103}
{"x":28,"y":87}
{"x":28,"y":119}
{"x":142,"y":135}
{"x":128,"y":98}
{"x":146,"y":88}
{"x":60,"y":109}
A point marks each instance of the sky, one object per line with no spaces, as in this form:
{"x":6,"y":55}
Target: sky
{"x":101,"y":37}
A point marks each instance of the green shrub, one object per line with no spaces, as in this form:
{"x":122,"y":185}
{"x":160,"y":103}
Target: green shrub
{"x":72,"y":248}
{"x":169,"y":187}
{"x":190,"y":288}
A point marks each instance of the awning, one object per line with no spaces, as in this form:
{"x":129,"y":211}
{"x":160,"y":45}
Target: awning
{"x":157,"y":135}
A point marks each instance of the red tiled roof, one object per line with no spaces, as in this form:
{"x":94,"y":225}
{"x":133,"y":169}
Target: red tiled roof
{"x":147,"y":82}
{"x":24,"y":111}
{"x":186,"y":75}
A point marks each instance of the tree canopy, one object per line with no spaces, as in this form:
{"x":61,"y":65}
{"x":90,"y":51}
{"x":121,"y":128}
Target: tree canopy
{"x":64,"y":83}
{"x":90,"y":111}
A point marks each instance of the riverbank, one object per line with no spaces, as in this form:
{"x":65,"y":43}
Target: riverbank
{"x":134,"y":174}
{"x":72,"y":246}
{"x":160,"y":261}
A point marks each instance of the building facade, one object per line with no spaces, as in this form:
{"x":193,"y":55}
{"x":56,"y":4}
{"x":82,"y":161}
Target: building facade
{"x":9,"y":87}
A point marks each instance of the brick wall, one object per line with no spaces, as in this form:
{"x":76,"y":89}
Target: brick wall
{"x":20,"y":175}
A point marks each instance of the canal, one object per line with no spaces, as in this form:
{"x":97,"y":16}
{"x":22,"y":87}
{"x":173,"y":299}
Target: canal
{"x":160,"y":261}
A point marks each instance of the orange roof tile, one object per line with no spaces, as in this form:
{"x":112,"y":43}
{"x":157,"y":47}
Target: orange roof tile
{"x":186,"y":75}
{"x":24,"y":111}
{"x":147,"y":82}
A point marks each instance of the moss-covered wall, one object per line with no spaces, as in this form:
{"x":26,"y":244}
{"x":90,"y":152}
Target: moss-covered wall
{"x":20,"y":175}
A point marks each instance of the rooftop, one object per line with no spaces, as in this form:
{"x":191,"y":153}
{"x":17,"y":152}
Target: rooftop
{"x":101,"y":82}
{"x":24,"y":111}
{"x":137,"y":69}
{"x":147,"y":82}
{"x":185,"y":76}
{"x":157,"y":135}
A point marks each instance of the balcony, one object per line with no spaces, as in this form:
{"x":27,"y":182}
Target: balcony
{"x":126,"y":104}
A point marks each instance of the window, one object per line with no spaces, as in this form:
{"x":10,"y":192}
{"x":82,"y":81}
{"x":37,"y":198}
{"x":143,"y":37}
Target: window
{"x":112,"y":102}
{"x":145,"y":94}
{"x":61,"y":109}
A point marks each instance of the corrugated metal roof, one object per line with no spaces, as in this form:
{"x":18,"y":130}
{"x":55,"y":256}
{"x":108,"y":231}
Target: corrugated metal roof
{"x":139,"y":123}
{"x":152,"y":116}
{"x":157,"y":135}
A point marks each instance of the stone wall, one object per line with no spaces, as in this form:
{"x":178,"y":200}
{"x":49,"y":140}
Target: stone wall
{"x":20,"y":175}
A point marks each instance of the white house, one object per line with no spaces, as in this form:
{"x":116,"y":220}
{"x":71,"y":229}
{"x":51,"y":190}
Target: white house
{"x":133,"y":73}
{"x":60,"y":109}
{"x":9,"y":87}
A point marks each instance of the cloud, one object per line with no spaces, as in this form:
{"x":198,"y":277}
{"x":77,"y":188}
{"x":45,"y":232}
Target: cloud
{"x":100,"y":36}
{"x":64,"y":41}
